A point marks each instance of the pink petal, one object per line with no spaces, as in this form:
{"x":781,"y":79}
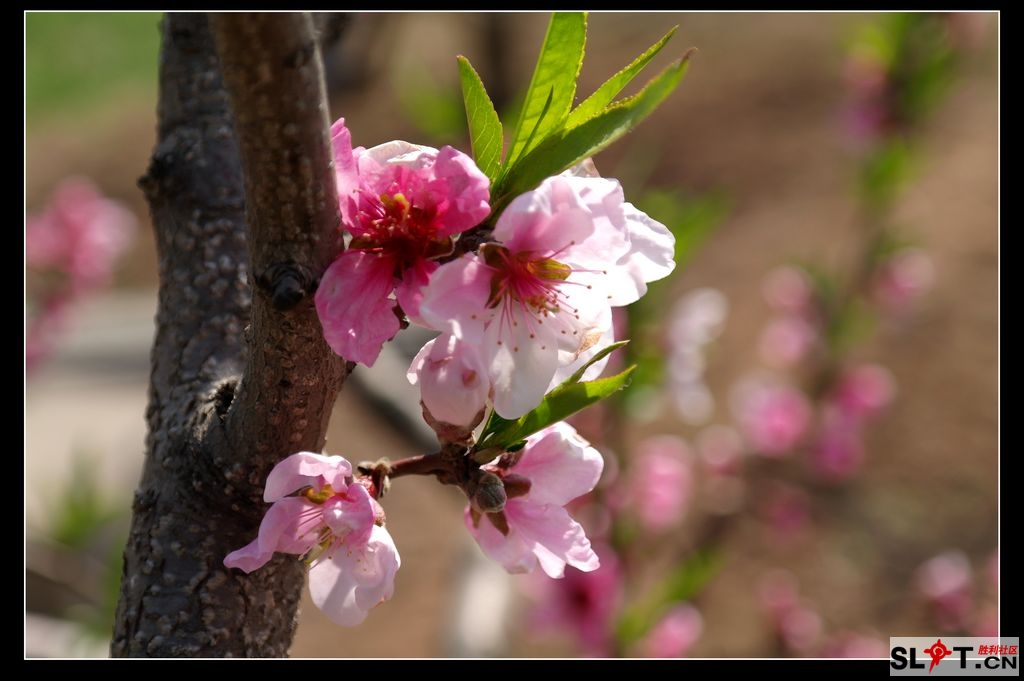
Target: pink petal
{"x":306,"y":469}
{"x":467,"y":186}
{"x":556,"y":539}
{"x":458,"y":291}
{"x":400,"y":153}
{"x":584,"y":324}
{"x":570,"y":359}
{"x":530,"y":224}
{"x":522,"y":357}
{"x":350,"y":515}
{"x":352,"y":580}
{"x":603,"y":200}
{"x":560,"y":465}
{"x":290,"y":526}
{"x":410,"y":291}
{"x":346,"y":175}
{"x":354,"y":306}
{"x":453,"y":381}
{"x":650,"y":258}
{"x":511,"y":551}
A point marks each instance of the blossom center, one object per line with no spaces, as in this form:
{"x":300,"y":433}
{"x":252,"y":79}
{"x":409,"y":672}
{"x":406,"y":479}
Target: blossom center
{"x":319,"y":497}
{"x":400,"y":230}
{"x":525,"y":277}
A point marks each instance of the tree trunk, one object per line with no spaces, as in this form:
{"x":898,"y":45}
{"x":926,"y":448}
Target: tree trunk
{"x":241,"y":376}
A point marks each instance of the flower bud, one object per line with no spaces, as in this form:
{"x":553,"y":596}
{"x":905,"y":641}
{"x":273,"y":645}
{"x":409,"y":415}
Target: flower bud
{"x":487,"y":493}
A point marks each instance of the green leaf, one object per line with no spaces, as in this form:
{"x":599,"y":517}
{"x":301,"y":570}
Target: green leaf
{"x":604,"y":95}
{"x":884,"y":174}
{"x":496,"y":423}
{"x":559,"y":152}
{"x":553,"y":86}
{"x":604,"y":352}
{"x":484,"y":124}
{"x":562,"y":402}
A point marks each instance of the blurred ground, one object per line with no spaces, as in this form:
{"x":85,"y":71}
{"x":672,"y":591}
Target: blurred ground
{"x":756,"y":117}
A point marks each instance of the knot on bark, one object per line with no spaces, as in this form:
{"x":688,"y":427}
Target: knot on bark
{"x":287,"y":284}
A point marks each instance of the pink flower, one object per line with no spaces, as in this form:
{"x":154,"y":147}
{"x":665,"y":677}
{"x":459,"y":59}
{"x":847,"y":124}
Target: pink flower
{"x":838,"y":452}
{"x":788,"y":289}
{"x":70,"y":251}
{"x":662,"y":483}
{"x":945,"y":581}
{"x":453,"y":380}
{"x":863,"y":391}
{"x":584,"y":603}
{"x":81,"y":233}
{"x":537,"y":301}
{"x":675,"y":633}
{"x":786,"y":340}
{"x":336,"y":524}
{"x":797,"y":626}
{"x":772,"y":417}
{"x":800,"y":629}
{"x":902,"y":280}
{"x":402,"y":203}
{"x":555,"y":467}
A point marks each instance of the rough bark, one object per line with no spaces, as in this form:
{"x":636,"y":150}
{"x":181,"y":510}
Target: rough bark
{"x":241,"y":376}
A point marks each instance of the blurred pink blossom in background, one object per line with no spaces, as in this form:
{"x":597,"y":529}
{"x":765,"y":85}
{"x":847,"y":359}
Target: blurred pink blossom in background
{"x":695,"y":321}
{"x":945,"y":581}
{"x":863,"y":391}
{"x":786,"y":340}
{"x":838,"y":450}
{"x":675,"y":633}
{"x":773,"y":417}
{"x":661,"y":485}
{"x":583,"y":603}
{"x":902,"y":280}
{"x":787,"y":289}
{"x":71,"y":247}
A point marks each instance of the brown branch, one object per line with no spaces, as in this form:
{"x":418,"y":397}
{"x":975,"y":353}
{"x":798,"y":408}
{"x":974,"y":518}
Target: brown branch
{"x":232,"y":390}
{"x":274,"y":75}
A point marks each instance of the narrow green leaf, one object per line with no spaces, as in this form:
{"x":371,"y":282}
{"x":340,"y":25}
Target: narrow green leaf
{"x":557,"y":153}
{"x":484,"y":124}
{"x":557,"y":405}
{"x":558,"y":67}
{"x":496,"y":423}
{"x":604,"y":95}
{"x":575,"y":378}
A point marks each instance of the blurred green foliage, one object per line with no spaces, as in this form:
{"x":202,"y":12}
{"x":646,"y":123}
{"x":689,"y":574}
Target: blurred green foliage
{"x":681,"y":584}
{"x":92,"y":527}
{"x":75,"y":61}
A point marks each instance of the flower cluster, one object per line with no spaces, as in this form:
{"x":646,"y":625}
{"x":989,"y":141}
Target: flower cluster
{"x":321,"y":512}
{"x":520,"y":302}
{"x":525,"y":310}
